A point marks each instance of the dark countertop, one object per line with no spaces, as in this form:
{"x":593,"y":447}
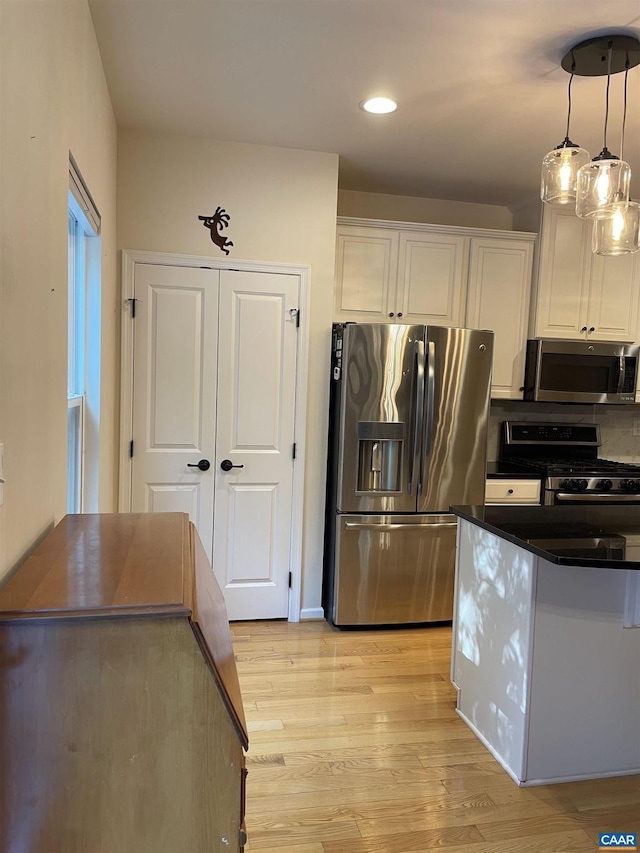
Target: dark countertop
{"x":501,"y":471}
{"x":527,"y":525}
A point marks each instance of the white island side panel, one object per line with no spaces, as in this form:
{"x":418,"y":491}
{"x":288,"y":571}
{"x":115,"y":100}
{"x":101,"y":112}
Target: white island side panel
{"x":585,"y":685}
{"x":492,"y":641}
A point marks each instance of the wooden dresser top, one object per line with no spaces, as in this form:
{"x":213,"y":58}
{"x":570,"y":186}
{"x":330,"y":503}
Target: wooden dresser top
{"x":105,"y":565}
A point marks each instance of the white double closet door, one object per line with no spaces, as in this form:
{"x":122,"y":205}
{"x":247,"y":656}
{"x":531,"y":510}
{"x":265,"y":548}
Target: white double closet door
{"x":214,"y":377}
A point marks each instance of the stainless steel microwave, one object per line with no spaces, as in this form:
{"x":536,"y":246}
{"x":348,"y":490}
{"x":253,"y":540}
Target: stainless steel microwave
{"x":580,"y":371}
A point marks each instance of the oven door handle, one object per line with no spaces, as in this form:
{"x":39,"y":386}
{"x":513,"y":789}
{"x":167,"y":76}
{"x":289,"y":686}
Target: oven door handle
{"x":599,"y":498}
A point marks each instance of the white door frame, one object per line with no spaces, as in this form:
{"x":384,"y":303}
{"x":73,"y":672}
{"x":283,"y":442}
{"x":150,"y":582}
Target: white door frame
{"x":131,"y":257}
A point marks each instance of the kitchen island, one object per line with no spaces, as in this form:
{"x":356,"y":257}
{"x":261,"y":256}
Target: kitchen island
{"x":546,"y":638}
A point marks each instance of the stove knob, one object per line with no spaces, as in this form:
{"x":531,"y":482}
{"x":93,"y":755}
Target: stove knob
{"x":604,"y":485}
{"x":630,"y":485}
{"x":572,"y":485}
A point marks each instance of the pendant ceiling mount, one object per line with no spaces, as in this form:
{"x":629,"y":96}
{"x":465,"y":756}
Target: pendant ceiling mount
{"x":589,"y":58}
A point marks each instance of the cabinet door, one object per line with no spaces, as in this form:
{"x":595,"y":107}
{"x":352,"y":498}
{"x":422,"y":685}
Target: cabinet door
{"x":499,"y":291}
{"x":563,"y":276}
{"x":613,"y":298}
{"x":432,"y":276}
{"x":366,"y":268}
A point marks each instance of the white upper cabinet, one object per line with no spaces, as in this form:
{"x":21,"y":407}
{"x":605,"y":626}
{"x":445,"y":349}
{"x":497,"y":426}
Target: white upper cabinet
{"x":444,"y":276}
{"x":391,"y":275}
{"x":499,"y":292}
{"x":432,"y":278}
{"x":366,"y":270}
{"x":614,"y":285}
{"x":580,"y":295}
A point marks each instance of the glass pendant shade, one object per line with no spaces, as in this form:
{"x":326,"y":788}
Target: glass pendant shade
{"x":620,"y":233}
{"x":602,"y":183}
{"x":559,"y":175}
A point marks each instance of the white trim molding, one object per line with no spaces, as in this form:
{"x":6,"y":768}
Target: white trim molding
{"x":311,"y":613}
{"x":427,"y":228}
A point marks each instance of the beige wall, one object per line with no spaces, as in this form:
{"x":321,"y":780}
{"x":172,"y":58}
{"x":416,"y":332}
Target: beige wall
{"x":527,"y":214}
{"x":434,"y":211}
{"x":282,"y":205}
{"x":53,"y":99}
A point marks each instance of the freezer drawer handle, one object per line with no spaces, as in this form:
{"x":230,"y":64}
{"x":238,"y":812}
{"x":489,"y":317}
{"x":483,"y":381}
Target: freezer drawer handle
{"x":354,"y":525}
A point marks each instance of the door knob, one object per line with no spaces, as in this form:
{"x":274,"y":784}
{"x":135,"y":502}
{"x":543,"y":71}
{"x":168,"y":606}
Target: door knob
{"x":227,"y":465}
{"x":203,"y":464}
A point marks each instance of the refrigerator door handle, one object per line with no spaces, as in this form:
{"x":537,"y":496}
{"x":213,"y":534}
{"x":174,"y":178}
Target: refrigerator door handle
{"x":354,"y":525}
{"x":418,"y":409}
{"x":429,"y":418}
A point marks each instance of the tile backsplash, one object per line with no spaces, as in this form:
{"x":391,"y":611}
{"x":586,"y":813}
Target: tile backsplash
{"x":616,"y":424}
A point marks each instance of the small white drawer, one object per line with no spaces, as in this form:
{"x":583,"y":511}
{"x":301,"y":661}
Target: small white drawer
{"x":512,"y":492}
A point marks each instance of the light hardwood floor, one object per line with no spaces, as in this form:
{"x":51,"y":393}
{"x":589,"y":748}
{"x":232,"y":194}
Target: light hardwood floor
{"x":355,"y":747}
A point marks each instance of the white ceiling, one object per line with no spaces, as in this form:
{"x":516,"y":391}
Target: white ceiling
{"x":481,"y":93}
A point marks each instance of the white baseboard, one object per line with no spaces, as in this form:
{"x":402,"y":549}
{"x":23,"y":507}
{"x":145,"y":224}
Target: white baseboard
{"x":311,"y":613}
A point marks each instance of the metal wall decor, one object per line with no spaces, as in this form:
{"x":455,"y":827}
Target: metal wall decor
{"x":215,"y":224}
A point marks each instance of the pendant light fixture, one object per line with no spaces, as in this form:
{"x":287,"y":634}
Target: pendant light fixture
{"x":560,"y":166}
{"x":619,"y":234}
{"x":602,"y":184}
{"x":605,"y":181}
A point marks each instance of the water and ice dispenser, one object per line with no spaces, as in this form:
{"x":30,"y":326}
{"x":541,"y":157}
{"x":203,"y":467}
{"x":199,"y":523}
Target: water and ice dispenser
{"x":380,"y":447}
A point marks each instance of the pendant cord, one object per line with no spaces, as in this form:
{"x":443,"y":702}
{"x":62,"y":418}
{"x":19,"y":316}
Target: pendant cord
{"x":624,"y":109}
{"x":606,"y":111}
{"x":566,"y":136}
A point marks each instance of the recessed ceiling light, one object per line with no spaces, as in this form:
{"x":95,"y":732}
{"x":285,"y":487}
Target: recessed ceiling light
{"x":379,"y":105}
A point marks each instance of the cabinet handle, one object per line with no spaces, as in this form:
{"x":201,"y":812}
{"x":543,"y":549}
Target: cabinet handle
{"x":592,"y":329}
{"x":509,"y":491}
{"x":583,"y":329}
{"x":399,"y":313}
{"x":391,"y":314}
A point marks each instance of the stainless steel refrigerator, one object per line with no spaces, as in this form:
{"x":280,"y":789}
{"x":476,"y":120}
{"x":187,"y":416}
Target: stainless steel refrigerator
{"x":407,"y":439}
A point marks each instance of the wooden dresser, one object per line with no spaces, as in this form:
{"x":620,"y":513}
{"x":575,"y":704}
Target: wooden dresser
{"x":121,"y":720}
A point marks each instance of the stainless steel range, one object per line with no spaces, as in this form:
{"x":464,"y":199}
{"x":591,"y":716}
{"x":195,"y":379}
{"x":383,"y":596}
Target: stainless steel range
{"x":566,"y":458}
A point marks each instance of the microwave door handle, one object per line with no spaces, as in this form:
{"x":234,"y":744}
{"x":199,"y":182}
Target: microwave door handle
{"x":621,"y":377}
{"x":429,"y":419}
{"x":418,"y":403}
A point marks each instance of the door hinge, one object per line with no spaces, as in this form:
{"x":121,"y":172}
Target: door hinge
{"x":131,"y":449}
{"x":133,"y":301}
{"x":294,"y":451}
{"x":290,"y":579}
